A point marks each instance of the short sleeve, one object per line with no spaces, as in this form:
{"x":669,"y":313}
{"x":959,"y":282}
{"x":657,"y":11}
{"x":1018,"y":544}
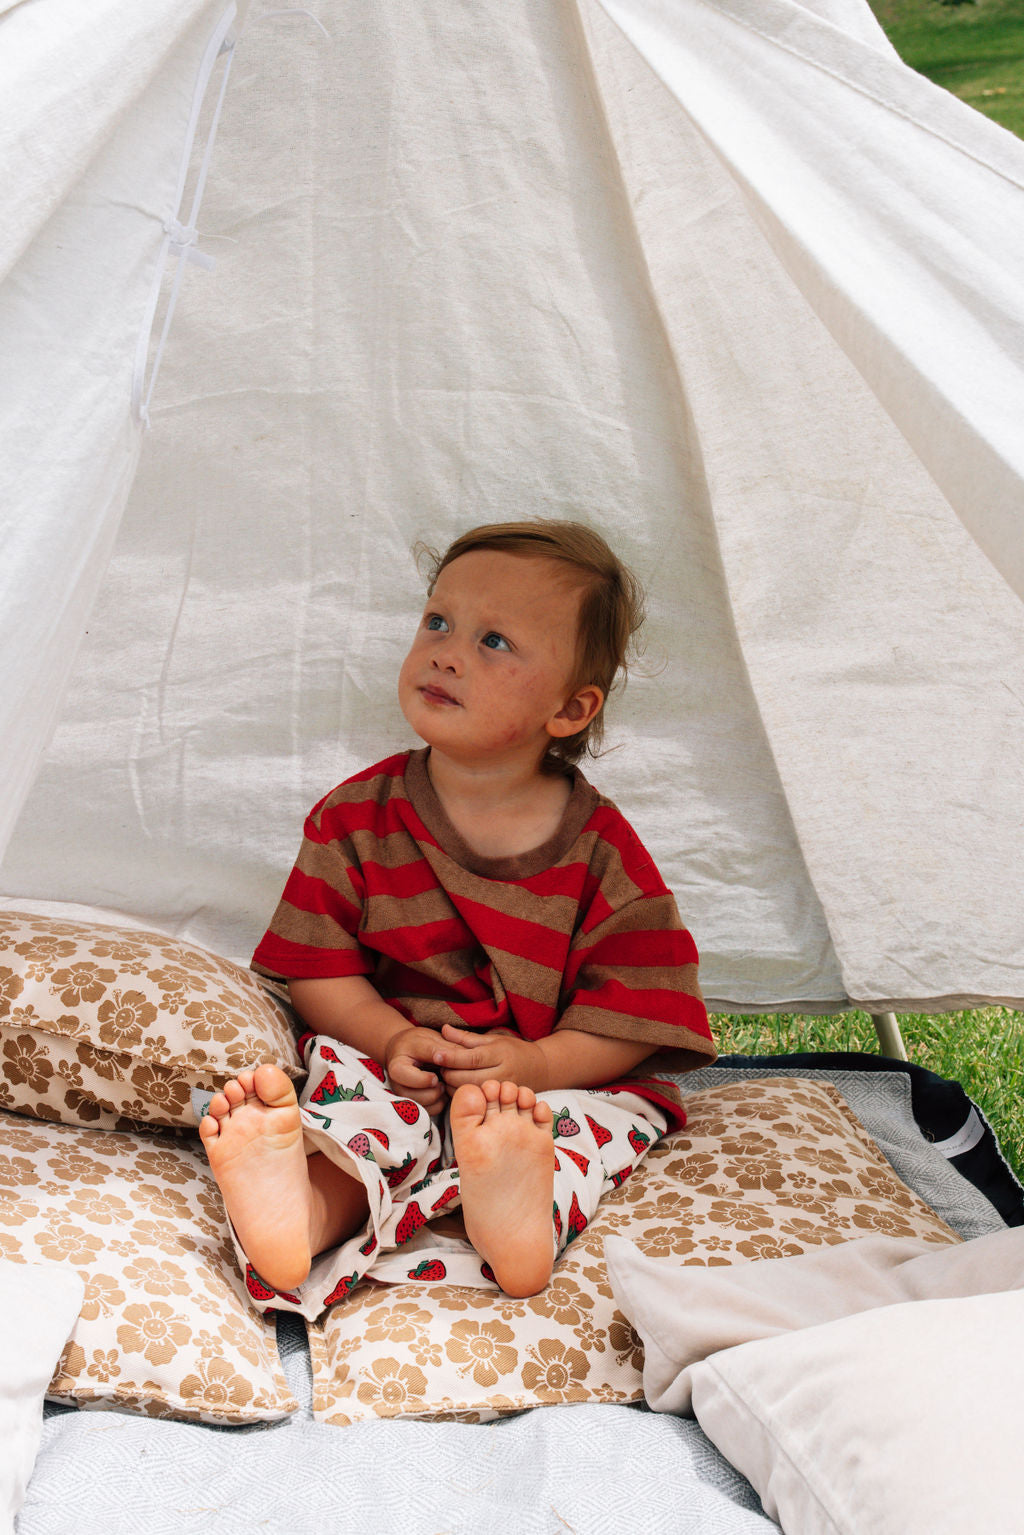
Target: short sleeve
{"x":632,"y":968}
{"x":314,"y":931}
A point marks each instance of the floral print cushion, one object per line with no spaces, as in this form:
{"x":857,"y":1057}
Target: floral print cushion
{"x":166,"y":1328}
{"x":113,"y":1027}
{"x":764,"y":1169}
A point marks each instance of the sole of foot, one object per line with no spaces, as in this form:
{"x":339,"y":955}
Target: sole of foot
{"x":252,"y":1136}
{"x":501,"y":1135}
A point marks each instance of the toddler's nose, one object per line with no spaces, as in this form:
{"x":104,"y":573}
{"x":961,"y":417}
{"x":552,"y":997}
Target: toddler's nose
{"x":447,"y":659}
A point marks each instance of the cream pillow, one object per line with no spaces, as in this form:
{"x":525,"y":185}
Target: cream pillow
{"x":764,"y":1169}
{"x":165,"y":1328}
{"x":38,"y":1307}
{"x":112,"y":1027}
{"x":685,"y":1314}
{"x":906,"y":1420}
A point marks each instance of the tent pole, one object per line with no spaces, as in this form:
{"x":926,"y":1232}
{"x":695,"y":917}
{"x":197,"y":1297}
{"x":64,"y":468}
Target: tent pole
{"x":890,"y":1040}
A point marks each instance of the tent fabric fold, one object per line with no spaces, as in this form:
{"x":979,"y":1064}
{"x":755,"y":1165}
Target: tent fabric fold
{"x":726,"y":279}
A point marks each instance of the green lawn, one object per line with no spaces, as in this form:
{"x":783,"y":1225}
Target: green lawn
{"x":975,"y":50}
{"x":982,"y":1049}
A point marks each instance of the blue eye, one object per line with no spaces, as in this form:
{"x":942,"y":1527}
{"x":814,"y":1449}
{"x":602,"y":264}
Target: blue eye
{"x":496,"y":641}
{"x":436,"y":623}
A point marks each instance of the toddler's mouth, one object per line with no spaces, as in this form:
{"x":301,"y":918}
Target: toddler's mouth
{"x":436,"y":695}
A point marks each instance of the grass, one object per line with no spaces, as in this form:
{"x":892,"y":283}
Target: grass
{"x":974,"y":49}
{"x":982,"y":1049}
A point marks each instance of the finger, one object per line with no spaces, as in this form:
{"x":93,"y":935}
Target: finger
{"x":459,"y":1078}
{"x":459,"y":1057}
{"x":408,"y":1074}
{"x":458,"y":1036}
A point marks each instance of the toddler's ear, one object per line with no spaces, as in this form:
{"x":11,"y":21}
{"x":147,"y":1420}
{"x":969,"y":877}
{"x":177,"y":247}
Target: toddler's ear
{"x":577,"y":712}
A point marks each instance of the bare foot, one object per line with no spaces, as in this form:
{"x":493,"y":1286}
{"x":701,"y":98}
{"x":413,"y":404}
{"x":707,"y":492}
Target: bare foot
{"x":502,"y":1141}
{"x":252,"y":1135}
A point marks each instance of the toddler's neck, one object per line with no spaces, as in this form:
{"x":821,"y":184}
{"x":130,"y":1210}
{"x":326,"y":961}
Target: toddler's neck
{"x":499,"y":814}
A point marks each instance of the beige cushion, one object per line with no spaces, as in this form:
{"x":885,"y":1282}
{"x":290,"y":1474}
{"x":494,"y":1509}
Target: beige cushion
{"x":685,"y":1314}
{"x":109,"y":1027}
{"x":166,"y":1328}
{"x":904,"y":1420}
{"x":764,"y":1169}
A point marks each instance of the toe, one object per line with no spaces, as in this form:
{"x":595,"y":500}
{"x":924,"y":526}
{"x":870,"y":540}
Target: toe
{"x":508,"y":1095}
{"x":218,"y":1107}
{"x":272,"y":1086}
{"x":469,"y":1105}
{"x":542,"y":1114}
{"x":234,"y":1092}
{"x":209,"y":1127}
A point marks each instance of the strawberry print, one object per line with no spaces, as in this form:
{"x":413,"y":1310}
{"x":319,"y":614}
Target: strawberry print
{"x":582,"y":1162}
{"x":341,"y":1289}
{"x":359,"y":1145}
{"x":369,"y":1246}
{"x":445,"y":1199}
{"x":430,"y":1270}
{"x":412,"y":1219}
{"x":577,"y":1220}
{"x":600,"y":1134}
{"x":327,"y":1054}
{"x":373,"y":1067}
{"x":378,"y":1135}
{"x":557,"y":1217}
{"x":638,"y":1140}
{"x":619,"y":1178}
{"x":259,"y":1290}
{"x":565,"y":1124}
{"x":406,"y":1110}
{"x":255,"y":1286}
{"x":488,"y":1272}
{"x":326,"y":1091}
{"x":397,"y":1175}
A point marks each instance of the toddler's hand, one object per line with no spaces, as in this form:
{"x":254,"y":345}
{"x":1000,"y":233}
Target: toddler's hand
{"x":498,"y":1055}
{"x":405,"y":1061}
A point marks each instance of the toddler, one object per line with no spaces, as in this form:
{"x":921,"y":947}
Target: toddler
{"x":483,"y":952}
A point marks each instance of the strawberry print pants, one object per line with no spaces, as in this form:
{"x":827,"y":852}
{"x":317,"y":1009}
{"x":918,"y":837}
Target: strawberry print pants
{"x":404,"y":1159}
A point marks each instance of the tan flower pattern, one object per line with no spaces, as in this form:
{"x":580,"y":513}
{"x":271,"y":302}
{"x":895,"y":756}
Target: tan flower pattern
{"x":165,"y":1328}
{"x":553,"y":1368}
{"x":763,"y":1170}
{"x":125,"y":1018}
{"x":107,"y":1027}
{"x":99,"y":1206}
{"x":103,"y":1297}
{"x":212,"y":1019}
{"x":217,"y":1383}
{"x":81,"y":983}
{"x":390,"y":1387}
{"x":152,"y":1330}
{"x":481,"y":1349}
{"x":40,"y":954}
{"x":26,"y":1064}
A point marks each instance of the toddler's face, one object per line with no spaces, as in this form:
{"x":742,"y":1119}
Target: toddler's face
{"x":493,"y":658}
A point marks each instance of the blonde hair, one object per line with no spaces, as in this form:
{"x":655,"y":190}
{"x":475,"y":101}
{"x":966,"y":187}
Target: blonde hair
{"x":611,"y":607}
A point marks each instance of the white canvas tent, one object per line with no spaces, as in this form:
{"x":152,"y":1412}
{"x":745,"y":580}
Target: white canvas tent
{"x":721,"y":275}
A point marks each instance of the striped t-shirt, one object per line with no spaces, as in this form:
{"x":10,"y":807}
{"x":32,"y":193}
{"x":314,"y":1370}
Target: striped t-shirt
{"x":580,"y":933}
